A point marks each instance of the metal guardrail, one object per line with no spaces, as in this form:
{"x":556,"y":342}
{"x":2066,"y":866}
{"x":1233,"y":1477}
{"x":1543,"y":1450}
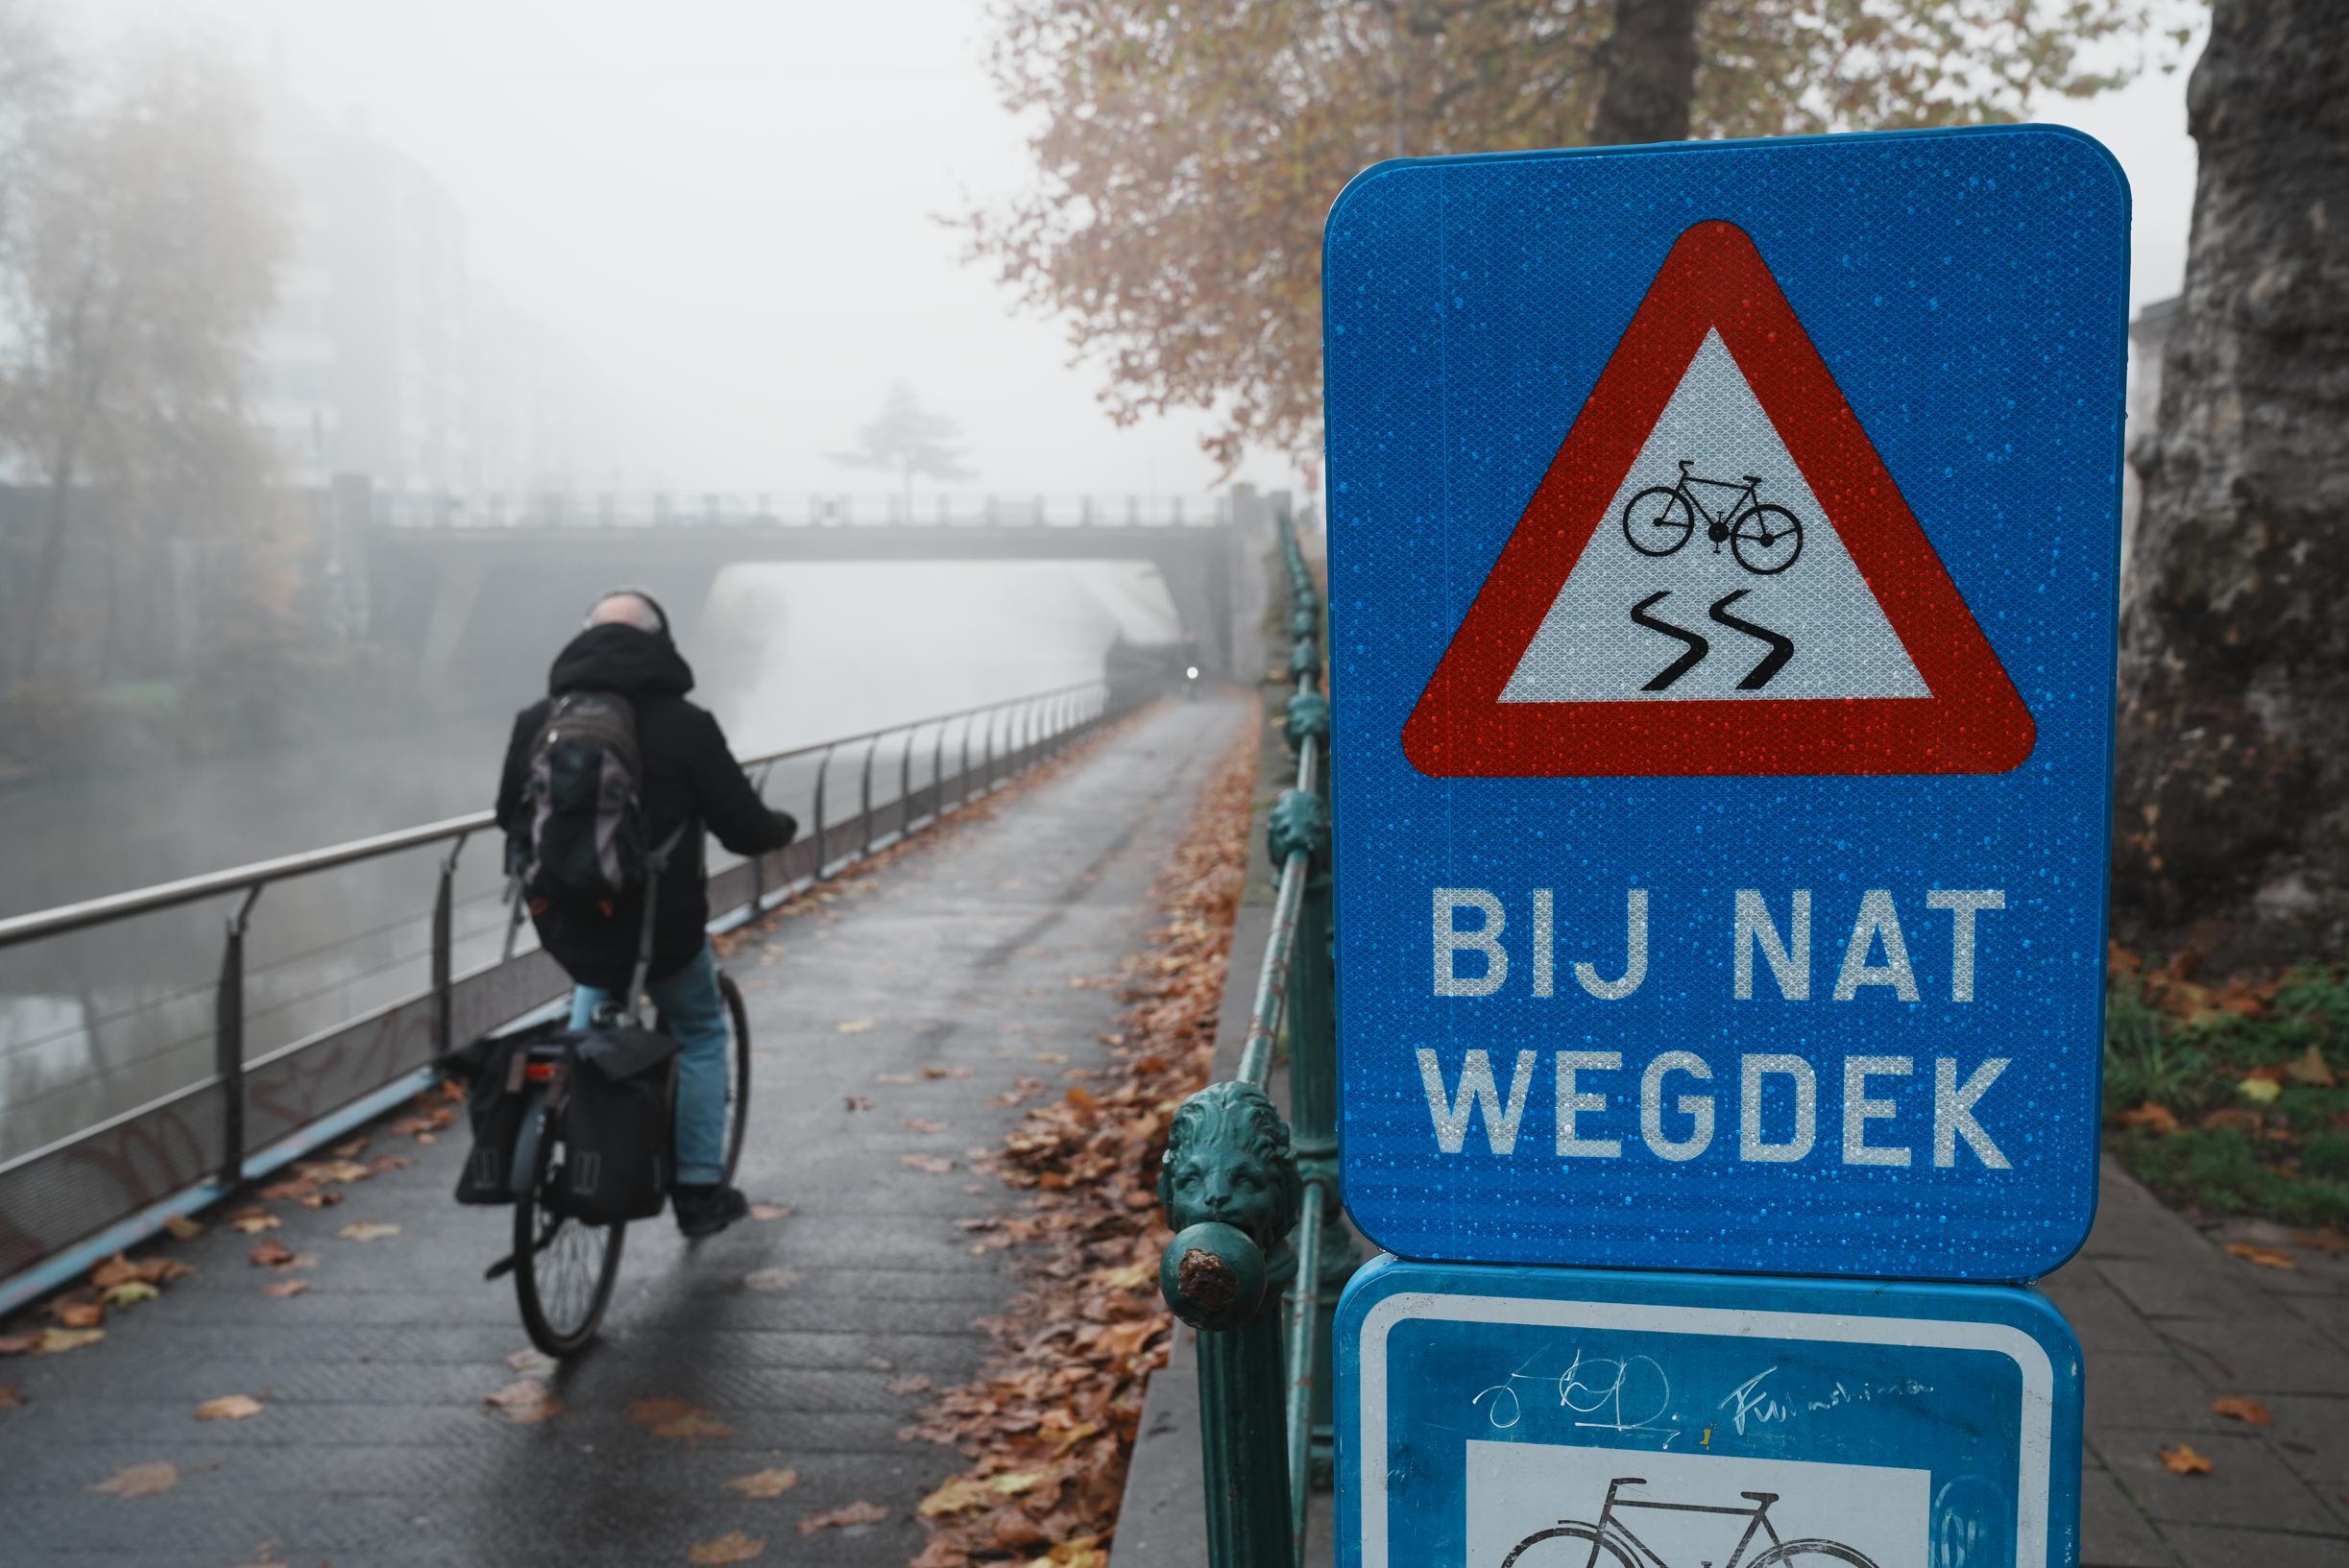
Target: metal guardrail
{"x":1261,"y":1250}
{"x":110,"y":1184}
{"x":810,"y":509}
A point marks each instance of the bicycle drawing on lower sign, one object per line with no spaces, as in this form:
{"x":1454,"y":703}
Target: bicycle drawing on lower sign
{"x":1575,"y":1543}
{"x":1765,"y":537}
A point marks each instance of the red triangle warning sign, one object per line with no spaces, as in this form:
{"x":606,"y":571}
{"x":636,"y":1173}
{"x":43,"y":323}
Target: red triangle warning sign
{"x":1716,"y":575}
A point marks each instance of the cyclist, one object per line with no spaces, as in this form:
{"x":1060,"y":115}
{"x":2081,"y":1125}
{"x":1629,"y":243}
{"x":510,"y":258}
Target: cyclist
{"x":690,"y":779}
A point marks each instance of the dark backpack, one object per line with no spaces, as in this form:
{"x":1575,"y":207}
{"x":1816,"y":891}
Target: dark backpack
{"x":585,"y":839}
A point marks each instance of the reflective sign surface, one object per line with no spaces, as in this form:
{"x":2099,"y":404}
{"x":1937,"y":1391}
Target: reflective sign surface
{"x":1555,"y":1418}
{"x":1723,"y":556}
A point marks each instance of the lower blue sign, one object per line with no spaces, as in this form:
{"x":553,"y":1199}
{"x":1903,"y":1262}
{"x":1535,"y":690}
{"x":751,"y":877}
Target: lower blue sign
{"x":1506,"y":1417}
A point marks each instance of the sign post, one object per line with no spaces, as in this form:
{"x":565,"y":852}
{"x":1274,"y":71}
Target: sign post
{"x":1724,"y":549}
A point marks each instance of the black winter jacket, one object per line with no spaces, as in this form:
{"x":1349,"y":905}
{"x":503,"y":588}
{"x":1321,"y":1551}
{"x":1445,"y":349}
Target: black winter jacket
{"x":689,"y":777}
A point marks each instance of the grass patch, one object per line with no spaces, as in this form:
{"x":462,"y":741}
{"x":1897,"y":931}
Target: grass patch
{"x":2233,"y":1100}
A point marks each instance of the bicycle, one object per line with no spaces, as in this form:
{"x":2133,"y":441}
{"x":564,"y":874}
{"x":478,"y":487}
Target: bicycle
{"x":1612,"y":1536}
{"x":565,"y":1270}
{"x":1663,"y":518}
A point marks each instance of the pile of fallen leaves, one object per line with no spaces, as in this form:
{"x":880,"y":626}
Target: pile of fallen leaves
{"x":1050,"y":1423}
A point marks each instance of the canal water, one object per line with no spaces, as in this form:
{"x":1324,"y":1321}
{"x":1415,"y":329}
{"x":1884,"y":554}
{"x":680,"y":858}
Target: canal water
{"x":95,"y":1024}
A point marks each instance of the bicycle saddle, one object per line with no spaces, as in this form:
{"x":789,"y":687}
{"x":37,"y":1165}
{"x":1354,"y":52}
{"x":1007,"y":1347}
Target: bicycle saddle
{"x":1754,"y":478}
{"x":1759,"y":1497}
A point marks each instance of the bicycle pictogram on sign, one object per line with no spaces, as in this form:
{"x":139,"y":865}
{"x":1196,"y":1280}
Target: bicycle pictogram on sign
{"x":1765,"y":537}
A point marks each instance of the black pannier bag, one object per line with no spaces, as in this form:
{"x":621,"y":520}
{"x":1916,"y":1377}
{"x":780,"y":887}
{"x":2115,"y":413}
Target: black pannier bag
{"x":495,"y":1096}
{"x":618,"y":1127}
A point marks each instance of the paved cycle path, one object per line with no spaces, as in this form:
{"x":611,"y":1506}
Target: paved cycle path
{"x":373,"y":1445}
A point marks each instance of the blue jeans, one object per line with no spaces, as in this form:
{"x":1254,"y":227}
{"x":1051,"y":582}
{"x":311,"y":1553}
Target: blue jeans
{"x":695,"y":1017}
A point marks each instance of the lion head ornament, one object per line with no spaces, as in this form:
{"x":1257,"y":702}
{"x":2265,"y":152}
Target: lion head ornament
{"x":1228,"y":1160}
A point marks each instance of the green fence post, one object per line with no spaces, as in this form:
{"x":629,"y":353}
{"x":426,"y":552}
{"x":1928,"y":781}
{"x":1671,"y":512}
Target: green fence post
{"x":1300,"y":821}
{"x":1230,"y":1191}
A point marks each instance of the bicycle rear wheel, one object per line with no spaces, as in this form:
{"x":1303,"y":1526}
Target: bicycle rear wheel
{"x":1657,"y":521}
{"x":1568,"y":1545}
{"x":564,"y":1270}
{"x":738,"y":1071}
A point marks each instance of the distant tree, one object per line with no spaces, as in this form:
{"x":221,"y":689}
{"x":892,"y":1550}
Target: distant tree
{"x":2233,"y":766}
{"x":1185,"y":155}
{"x":907,"y":440}
{"x":145,"y":260}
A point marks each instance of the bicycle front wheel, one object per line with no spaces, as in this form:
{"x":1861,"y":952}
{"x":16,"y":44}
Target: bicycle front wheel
{"x":738,"y":1071}
{"x":1812,"y":1554}
{"x":1657,"y":521}
{"x":1568,"y":1545}
{"x":564,"y":1270}
{"x":1767,"y":540}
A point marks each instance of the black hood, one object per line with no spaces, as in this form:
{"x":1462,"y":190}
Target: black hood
{"x":617,"y":657}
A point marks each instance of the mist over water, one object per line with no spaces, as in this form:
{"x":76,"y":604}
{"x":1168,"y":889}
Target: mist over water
{"x":786,"y":655}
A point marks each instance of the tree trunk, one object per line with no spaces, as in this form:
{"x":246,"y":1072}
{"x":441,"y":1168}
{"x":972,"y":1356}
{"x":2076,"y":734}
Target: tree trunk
{"x":1650,"y":63}
{"x":2231,"y":836}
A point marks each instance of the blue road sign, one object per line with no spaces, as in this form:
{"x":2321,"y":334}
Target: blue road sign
{"x":1506,"y":1417}
{"x":1723,"y":542}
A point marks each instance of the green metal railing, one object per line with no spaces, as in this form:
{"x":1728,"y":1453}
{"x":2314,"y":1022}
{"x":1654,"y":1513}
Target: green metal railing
{"x":1261,"y":1249}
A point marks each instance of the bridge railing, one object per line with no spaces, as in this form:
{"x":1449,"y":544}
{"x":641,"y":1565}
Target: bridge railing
{"x":794,"y":509}
{"x":1260,"y":1248}
{"x":170,"y":1095}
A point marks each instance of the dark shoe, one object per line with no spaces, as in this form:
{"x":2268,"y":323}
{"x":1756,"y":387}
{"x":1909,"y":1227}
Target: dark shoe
{"x":707,"y":1210}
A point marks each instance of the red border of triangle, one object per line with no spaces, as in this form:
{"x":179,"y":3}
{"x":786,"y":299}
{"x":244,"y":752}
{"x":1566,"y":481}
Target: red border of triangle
{"x":1973,"y":721}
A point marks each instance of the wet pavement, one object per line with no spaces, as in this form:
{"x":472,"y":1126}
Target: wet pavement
{"x":805,"y":1341}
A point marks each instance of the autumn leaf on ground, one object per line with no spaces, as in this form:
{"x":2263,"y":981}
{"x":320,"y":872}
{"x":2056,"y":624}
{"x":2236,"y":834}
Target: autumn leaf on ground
{"x":771,"y":1211}
{"x":183,"y":1228}
{"x":2264,"y":1257}
{"x":78,"y":1315}
{"x":532,"y":1362}
{"x":676,"y":1421}
{"x":383,"y":1163}
{"x":11,"y":1396}
{"x":58,"y":1342}
{"x":935,"y":1072}
{"x":285,"y":1290}
{"x":252,"y":1221}
{"x":2329,"y":1240}
{"x":320,"y":1200}
{"x":765,"y":1483}
{"x":732,"y":1547}
{"x":843,"y":1518}
{"x":20,"y":1344}
{"x":2311,"y":1068}
{"x":860,"y":1102}
{"x":2150,"y":1117}
{"x":525,"y":1404}
{"x":856,"y":1026}
{"x":2259,"y":1091}
{"x":140,"y":1480}
{"x":229,"y":1408}
{"x":770,"y":1279}
{"x":930,"y":1165}
{"x":915,"y":1384}
{"x":367,"y":1230}
{"x":2182,"y":1461}
{"x":120,"y":1269}
{"x":129,"y":1294}
{"x":350,"y":1150}
{"x":894,"y":1077}
{"x":924,"y":1124}
{"x":272,"y":1255}
{"x":2239,"y":1408}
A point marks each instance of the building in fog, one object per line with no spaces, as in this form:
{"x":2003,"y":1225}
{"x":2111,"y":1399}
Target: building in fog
{"x":385,"y":357}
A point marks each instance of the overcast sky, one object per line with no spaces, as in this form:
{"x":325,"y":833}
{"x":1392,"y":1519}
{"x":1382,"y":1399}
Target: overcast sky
{"x":726,"y":206}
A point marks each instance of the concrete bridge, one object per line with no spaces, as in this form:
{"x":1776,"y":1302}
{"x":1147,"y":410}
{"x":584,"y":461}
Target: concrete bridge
{"x":430,"y":566}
